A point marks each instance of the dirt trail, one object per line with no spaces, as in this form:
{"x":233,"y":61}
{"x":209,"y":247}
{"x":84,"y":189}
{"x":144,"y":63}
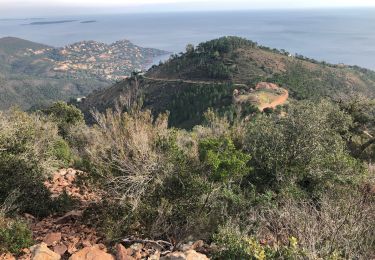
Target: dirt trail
{"x":193,"y":81}
{"x":67,"y":233}
{"x":277,"y":102}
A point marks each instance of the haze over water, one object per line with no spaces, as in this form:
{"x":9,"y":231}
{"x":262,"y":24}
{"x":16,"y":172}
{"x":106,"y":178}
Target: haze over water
{"x":336,"y":36}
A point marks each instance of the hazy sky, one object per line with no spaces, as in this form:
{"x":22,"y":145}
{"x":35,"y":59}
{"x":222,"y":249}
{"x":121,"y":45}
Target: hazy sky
{"x":30,"y":8}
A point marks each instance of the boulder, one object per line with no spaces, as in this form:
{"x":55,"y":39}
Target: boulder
{"x":52,"y":238}
{"x":188,"y":255}
{"x":123,"y":254}
{"x":194,"y":255}
{"x":91,"y":253}
{"x":60,"y":249}
{"x":174,"y":256}
{"x":42,"y":252}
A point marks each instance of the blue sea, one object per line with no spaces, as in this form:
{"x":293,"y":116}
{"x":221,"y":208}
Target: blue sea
{"x":333,"y":35}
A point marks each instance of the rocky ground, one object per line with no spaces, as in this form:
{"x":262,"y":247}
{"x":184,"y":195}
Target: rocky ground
{"x":68,"y":237}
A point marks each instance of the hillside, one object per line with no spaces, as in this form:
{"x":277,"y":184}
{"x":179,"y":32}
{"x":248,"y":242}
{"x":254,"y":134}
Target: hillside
{"x":12,"y":45}
{"x":208,"y":75}
{"x":33,"y":74}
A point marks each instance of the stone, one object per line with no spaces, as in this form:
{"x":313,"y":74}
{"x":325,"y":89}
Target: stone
{"x":7,"y":256}
{"x":188,"y":255}
{"x":60,"y":249}
{"x":52,"y":238}
{"x":155,"y":256}
{"x":123,"y":253}
{"x":42,"y":252}
{"x":197,"y":244}
{"x":136,"y":246}
{"x":74,"y":214}
{"x":194,"y":255}
{"x":174,"y":256}
{"x":91,"y":253}
{"x":138,"y":254}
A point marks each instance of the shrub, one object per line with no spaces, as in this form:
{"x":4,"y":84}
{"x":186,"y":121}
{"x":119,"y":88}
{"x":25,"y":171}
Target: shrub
{"x":30,"y":149}
{"x":340,"y":225}
{"x":14,"y":236}
{"x":302,"y":151}
{"x":236,"y":244}
{"x":156,"y":171}
{"x":223,"y":160}
{"x":66,"y":116}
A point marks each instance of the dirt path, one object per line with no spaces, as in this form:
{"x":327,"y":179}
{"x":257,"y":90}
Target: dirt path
{"x":193,"y":81}
{"x":277,"y":102}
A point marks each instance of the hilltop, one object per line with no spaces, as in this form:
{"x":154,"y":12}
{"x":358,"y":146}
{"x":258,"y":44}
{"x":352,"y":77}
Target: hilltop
{"x":33,"y":74}
{"x":208,"y":76}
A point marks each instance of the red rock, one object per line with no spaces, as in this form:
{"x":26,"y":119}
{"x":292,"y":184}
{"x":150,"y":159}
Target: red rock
{"x":7,"y":257}
{"x":42,"y":252}
{"x":91,"y":253}
{"x":188,"y":255}
{"x":52,"y":238}
{"x":197,"y":244}
{"x":86,"y":243}
{"x":60,"y":249}
{"x":138,"y":255}
{"x":123,"y":254}
{"x":74,"y":214}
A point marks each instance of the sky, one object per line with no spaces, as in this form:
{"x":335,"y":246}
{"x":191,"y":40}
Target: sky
{"x":32,"y":8}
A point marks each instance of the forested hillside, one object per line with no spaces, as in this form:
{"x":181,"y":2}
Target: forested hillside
{"x":206,"y":76}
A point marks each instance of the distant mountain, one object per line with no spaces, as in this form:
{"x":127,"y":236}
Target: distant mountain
{"x":210,"y":74}
{"x":33,"y":74}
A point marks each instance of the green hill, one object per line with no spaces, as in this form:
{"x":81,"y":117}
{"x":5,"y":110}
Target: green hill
{"x":206,"y":76}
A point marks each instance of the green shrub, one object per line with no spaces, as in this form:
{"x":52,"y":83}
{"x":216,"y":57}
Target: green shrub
{"x":66,"y":116}
{"x":30,"y":150}
{"x":14,"y":236}
{"x":62,"y":152}
{"x":234,"y":244}
{"x":304,"y":150}
{"x":223,"y":160}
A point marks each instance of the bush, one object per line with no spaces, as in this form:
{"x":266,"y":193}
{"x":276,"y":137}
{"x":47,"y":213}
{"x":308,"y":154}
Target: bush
{"x":14,"y":236}
{"x":156,"y":171}
{"x":235,"y":244}
{"x":303,"y":151}
{"x":30,"y":149}
{"x":65,"y":116}
{"x":224,"y":161}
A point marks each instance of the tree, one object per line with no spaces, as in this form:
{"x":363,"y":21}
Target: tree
{"x":190,"y":48}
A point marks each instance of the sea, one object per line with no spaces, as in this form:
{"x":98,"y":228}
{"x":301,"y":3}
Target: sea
{"x":331,"y":35}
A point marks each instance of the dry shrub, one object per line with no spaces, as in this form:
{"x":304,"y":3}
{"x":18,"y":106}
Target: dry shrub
{"x":341,"y":225}
{"x":124,"y":152}
{"x":31,"y":138}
